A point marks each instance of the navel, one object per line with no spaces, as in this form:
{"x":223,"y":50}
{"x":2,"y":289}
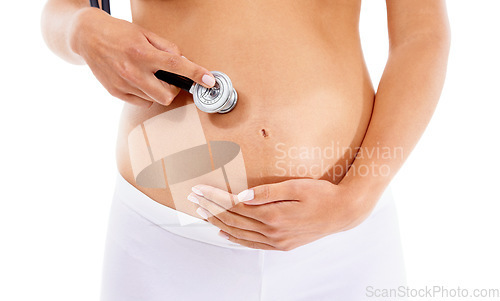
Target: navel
{"x":264,"y":133}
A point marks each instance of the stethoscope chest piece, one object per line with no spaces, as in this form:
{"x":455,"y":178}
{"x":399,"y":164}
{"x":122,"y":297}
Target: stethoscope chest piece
{"x":221,"y":98}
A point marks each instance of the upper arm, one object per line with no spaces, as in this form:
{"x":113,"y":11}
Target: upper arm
{"x":412,"y":19}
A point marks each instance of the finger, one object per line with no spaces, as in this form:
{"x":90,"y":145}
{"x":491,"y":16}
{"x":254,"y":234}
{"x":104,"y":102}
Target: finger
{"x":161,"y":43}
{"x":254,"y":218}
{"x":148,"y":85}
{"x":226,"y":200}
{"x":249,"y":244}
{"x":221,"y":197}
{"x":177,"y":63}
{"x":239,"y":233}
{"x":159,"y":91}
{"x":268,"y":193}
{"x":180,"y":65}
{"x":140,"y":94}
{"x":211,"y":207}
{"x":227,"y":217}
{"x":136,"y":100}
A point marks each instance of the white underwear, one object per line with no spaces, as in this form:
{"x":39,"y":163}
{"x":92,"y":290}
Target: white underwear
{"x":174,"y":221}
{"x":150,"y":257}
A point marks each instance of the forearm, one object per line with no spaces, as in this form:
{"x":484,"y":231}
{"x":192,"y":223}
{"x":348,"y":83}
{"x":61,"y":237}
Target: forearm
{"x":405,"y":101}
{"x":58,"y":22}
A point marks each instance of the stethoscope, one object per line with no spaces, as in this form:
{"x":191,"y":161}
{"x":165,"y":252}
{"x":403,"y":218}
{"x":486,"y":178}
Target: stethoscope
{"x":221,"y":98}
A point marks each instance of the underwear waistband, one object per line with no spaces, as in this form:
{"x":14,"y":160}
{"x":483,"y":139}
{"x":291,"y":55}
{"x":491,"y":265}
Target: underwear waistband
{"x":196,"y":228}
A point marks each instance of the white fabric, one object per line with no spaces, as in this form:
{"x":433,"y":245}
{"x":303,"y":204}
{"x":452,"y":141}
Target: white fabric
{"x":150,"y":257}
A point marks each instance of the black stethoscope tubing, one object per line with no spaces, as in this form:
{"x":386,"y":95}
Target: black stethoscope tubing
{"x":105,"y":5}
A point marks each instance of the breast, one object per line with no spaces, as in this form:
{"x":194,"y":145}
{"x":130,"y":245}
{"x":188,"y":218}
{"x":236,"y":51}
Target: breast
{"x":305,"y":100}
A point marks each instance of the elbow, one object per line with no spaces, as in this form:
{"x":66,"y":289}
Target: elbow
{"x":442,"y":40}
{"x":435,"y":41}
{"x":435,"y":36}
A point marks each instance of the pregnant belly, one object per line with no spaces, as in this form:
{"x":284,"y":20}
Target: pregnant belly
{"x":304,"y":100}
{"x":165,"y":151}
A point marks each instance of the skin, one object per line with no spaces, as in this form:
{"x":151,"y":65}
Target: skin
{"x":313,"y":88}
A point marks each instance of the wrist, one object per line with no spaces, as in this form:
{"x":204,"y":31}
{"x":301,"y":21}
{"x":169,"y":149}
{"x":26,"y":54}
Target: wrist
{"x":361,"y":196}
{"x":363,"y":183}
{"x":80,"y":28}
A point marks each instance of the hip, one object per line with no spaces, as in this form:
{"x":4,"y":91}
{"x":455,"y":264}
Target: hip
{"x":152,"y":253}
{"x":194,"y":228}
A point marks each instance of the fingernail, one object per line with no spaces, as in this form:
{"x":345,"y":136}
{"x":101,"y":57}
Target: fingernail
{"x":202,"y":212}
{"x":223,"y":235}
{"x":193,"y":199}
{"x":197,"y":191}
{"x":245,"y":195}
{"x":208,"y":80}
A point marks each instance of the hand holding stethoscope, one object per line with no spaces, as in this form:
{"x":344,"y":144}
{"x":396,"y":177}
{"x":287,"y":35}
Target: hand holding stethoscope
{"x":128,"y":60}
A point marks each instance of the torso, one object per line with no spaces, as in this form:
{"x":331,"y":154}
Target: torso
{"x":299,"y":72}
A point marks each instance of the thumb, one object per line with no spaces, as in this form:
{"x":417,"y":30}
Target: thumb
{"x":268,"y":193}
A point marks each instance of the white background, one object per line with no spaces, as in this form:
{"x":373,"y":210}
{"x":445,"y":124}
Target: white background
{"x":58,"y":129}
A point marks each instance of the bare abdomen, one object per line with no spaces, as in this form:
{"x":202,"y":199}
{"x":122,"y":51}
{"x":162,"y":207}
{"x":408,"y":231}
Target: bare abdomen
{"x":305,"y":100}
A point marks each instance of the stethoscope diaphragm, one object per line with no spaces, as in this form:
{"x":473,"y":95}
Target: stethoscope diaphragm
{"x":221,"y":98}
